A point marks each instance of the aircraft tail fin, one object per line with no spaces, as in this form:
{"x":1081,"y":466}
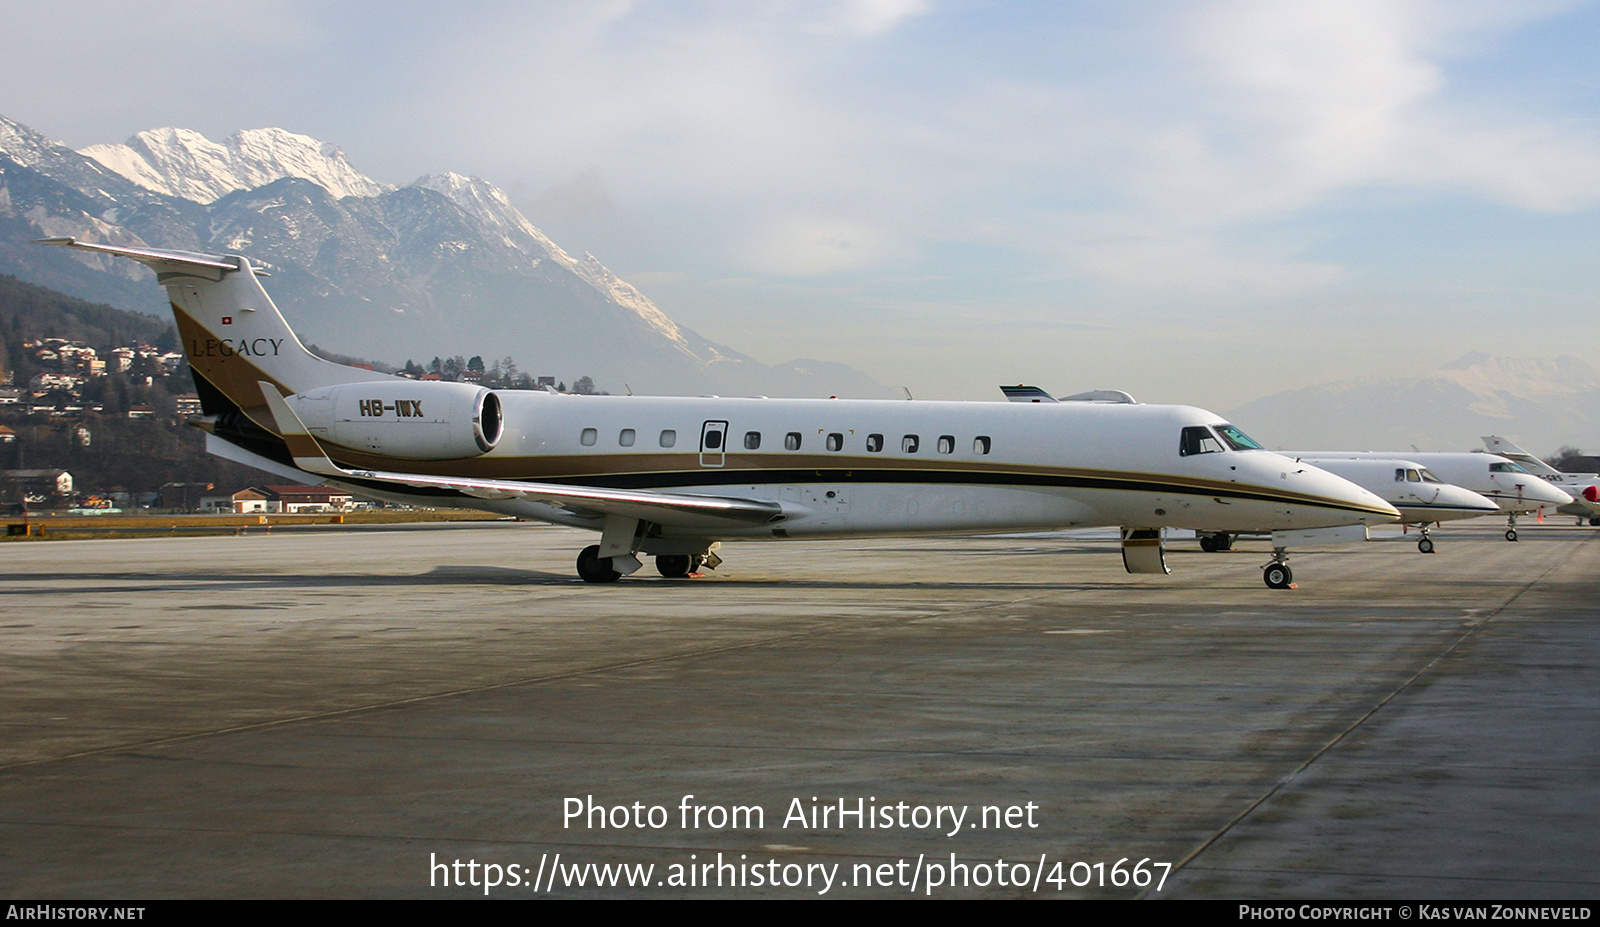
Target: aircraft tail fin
{"x":234,"y":336}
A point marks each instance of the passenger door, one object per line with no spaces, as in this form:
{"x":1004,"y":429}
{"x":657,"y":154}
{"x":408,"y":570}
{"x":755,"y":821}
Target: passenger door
{"x":713,"y":444}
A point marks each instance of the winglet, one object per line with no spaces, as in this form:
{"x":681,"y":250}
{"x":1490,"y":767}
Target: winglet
{"x":307,"y":453}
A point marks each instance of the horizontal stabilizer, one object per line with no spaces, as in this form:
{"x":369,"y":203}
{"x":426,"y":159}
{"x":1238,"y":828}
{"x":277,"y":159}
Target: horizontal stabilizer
{"x":1102,"y":395}
{"x":1021,"y":393}
{"x":211,"y":266}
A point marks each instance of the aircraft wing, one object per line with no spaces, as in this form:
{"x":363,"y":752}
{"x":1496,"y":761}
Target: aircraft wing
{"x":676,"y":509}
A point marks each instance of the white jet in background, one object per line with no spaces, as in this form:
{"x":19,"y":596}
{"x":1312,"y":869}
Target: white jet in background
{"x":1513,"y":489}
{"x":1423,"y":499}
{"x":1583,"y":487}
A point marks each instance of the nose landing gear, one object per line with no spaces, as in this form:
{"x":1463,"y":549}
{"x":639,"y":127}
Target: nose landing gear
{"x":1277,"y":574}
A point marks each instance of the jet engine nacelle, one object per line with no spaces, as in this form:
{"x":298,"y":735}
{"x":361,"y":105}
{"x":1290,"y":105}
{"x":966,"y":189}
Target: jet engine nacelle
{"x":404,"y":418}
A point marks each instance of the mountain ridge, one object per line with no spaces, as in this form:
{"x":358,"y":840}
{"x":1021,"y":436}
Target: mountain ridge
{"x":443,"y":265}
{"x":1540,"y":403}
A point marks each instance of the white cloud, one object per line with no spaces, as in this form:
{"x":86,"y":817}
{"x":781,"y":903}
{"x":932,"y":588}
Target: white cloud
{"x":807,"y":246}
{"x":1154,"y":157}
{"x":875,"y":17}
{"x":1308,"y":100}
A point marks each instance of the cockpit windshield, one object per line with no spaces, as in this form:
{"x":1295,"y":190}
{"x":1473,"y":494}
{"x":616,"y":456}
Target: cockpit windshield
{"x":1506,"y":467}
{"x":1236,"y":439}
{"x":1214,"y":439}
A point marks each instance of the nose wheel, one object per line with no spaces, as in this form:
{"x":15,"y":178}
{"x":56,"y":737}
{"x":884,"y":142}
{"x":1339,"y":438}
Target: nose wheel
{"x":1425,"y":543}
{"x":1277,"y":574}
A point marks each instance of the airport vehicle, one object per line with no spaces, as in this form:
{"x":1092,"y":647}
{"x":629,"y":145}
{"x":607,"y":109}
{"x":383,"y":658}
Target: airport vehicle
{"x":1513,"y":489}
{"x":672,"y":477}
{"x":1584,"y":488}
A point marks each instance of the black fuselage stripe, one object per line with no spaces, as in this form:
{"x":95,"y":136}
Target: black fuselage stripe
{"x":674,"y":480}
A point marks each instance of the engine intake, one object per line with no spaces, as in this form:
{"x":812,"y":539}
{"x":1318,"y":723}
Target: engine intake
{"x":404,"y":418}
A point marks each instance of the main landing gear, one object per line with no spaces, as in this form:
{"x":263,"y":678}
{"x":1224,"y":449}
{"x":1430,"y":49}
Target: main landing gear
{"x":1211,"y":543}
{"x":682,"y":566}
{"x":593,"y":568}
{"x":1277,"y":574}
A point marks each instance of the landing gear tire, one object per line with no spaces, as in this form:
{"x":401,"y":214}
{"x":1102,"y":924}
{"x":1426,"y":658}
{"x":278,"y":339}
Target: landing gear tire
{"x":674,"y":566}
{"x":1208,"y":543}
{"x":1594,"y":522}
{"x":1277,"y":576}
{"x":1425,"y":545}
{"x":592,"y":568}
{"x":1223,"y":541}
{"x":1511,"y":534}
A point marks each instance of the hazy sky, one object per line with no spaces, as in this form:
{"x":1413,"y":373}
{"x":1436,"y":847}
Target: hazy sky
{"x":1199,"y":202}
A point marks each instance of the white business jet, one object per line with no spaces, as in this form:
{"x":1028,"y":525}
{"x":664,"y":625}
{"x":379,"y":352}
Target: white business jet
{"x":1423,"y":499}
{"x":672,"y":477}
{"x":1584,"y":488}
{"x":1513,"y":489}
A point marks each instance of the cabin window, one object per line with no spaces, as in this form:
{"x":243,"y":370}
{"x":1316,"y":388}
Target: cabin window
{"x":980,"y":444}
{"x":908,"y":444}
{"x":791,"y":441}
{"x":947,"y":444}
{"x":835,"y":441}
{"x":1198,"y":439}
{"x":712,"y":440}
{"x":874,"y":443}
{"x":669,"y":438}
{"x":625,"y":438}
{"x":589,"y":437}
{"x":752,"y":440}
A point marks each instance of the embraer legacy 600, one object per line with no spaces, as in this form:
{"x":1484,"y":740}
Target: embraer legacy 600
{"x":673,"y":477}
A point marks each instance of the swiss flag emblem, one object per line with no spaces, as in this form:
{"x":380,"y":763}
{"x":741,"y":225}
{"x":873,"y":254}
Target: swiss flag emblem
{"x":227,"y":320}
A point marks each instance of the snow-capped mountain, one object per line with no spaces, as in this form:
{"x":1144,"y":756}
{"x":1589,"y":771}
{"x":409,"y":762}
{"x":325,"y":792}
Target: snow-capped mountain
{"x":485,"y":202}
{"x":1540,"y":403}
{"x":443,"y":266}
{"x":186,"y":164}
